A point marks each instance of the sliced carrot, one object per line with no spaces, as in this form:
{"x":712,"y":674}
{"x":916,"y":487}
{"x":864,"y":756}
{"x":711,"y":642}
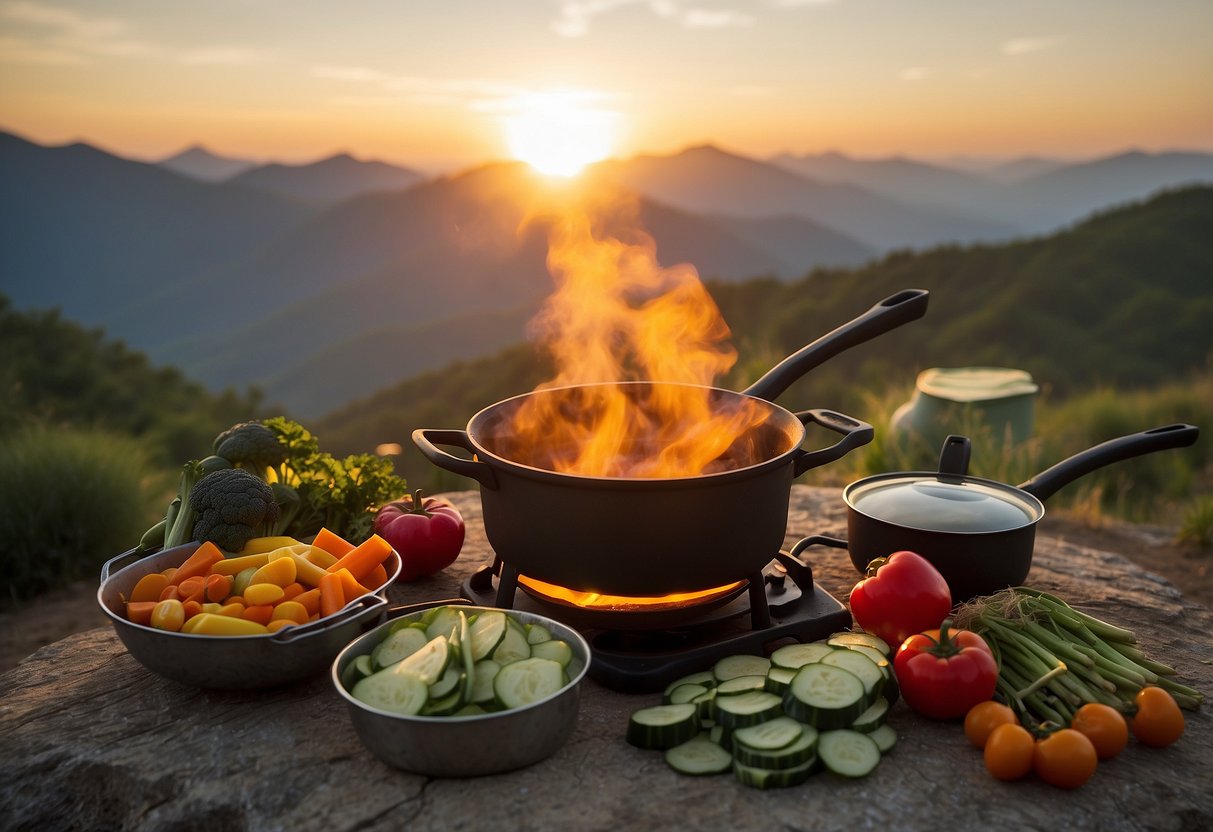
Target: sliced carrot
{"x":291,"y":590}
{"x":140,"y":612}
{"x":169,"y":573}
{"x":333,"y":543}
{"x":191,"y":608}
{"x":280,"y":624}
{"x":218,"y":587}
{"x":332,"y":594}
{"x":170,"y":592}
{"x":350,"y":586}
{"x":199,"y":563}
{"x":310,"y":601}
{"x":149,"y":588}
{"x":364,"y":557}
{"x":261,"y":613}
{"x":193,"y":589}
{"x":378,"y":576}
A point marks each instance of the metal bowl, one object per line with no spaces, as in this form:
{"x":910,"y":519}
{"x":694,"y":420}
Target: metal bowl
{"x":233,"y":662}
{"x":473,"y":745}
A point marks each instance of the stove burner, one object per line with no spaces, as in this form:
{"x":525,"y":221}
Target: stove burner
{"x":644,"y":650}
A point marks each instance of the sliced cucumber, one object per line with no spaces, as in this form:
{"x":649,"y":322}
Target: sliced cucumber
{"x":769,"y":735}
{"x":868,"y":671}
{"x":359,"y":668}
{"x":663,"y":726}
{"x":392,"y":690}
{"x":428,"y":663}
{"x":847,"y":638}
{"x":554,"y":649}
{"x":513,"y":645}
{"x":802,"y":750}
{"x":884,"y":737}
{"x":527,"y":681}
{"x":483,"y":674}
{"x":778,"y":679}
{"x":848,"y":753}
{"x":796,"y":656}
{"x":704,"y":678}
{"x":706,"y":702}
{"x":825,"y":696}
{"x":537,"y":634}
{"x":731,"y":667}
{"x":871,"y":652}
{"x":749,"y":708}
{"x":443,"y":621}
{"x":452,"y":677}
{"x":762,"y":778}
{"x":470,"y":709}
{"x":397,"y":646}
{"x":446,"y":705}
{"x":722,"y":736}
{"x":486,"y":632}
{"x":465,"y":652}
{"x":872,"y":718}
{"x":698,"y":757}
{"x":685,"y":693}
{"x":741,"y":684}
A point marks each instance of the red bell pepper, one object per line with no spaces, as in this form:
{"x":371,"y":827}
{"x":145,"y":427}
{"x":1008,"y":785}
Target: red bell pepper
{"x":942,"y":675}
{"x":903,"y":594}
{"x":427,"y":533}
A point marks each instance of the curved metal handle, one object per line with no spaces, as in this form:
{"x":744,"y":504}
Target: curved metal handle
{"x":108,"y":566}
{"x":817,"y":539}
{"x":401,"y":610}
{"x":954,"y":457}
{"x":429,"y":440}
{"x":1050,"y":481}
{"x":355,"y":608}
{"x":890,"y":313}
{"x":855,"y":433}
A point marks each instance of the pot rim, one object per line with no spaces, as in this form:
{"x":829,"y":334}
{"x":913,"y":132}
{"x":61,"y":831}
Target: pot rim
{"x":1000,"y":489}
{"x":548,"y":475}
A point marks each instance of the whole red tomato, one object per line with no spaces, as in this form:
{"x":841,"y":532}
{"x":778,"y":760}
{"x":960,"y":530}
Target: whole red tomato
{"x":427,"y":533}
{"x":902,"y":594}
{"x":943,"y":678}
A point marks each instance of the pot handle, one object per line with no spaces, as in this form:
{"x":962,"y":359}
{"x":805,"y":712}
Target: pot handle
{"x":110,"y":565}
{"x":895,"y":310}
{"x":824,"y":540}
{"x":429,"y":440}
{"x":855,"y":433}
{"x":954,"y":457}
{"x":355,"y":608}
{"x":1050,"y":481}
{"x":401,"y":610}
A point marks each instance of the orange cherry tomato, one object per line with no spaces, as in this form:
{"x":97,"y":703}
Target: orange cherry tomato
{"x":1104,"y":726}
{"x":1008,"y":752}
{"x":1065,"y":759}
{"x":983,"y":718}
{"x":1158,"y":721}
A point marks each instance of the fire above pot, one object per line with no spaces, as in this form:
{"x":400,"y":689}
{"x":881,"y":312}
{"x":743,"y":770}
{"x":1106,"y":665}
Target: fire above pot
{"x":654,"y":535}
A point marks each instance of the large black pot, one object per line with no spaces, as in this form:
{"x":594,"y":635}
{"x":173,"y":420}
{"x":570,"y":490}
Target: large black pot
{"x":655,"y":536}
{"x":979,"y":533}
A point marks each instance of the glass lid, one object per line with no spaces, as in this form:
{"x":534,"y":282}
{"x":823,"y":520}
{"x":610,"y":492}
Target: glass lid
{"x":945,"y":503}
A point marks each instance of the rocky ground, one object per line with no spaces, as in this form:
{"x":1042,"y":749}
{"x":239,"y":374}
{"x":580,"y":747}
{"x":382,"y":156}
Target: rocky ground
{"x":73,"y":609}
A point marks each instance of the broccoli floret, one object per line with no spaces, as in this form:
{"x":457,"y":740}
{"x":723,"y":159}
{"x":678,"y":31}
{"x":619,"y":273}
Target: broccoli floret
{"x":231,"y":506}
{"x":252,"y":445}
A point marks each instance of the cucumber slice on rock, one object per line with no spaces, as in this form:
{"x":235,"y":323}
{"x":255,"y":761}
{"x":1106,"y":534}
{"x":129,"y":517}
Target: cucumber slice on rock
{"x":663,"y":726}
{"x":699,"y":757}
{"x":848,"y":753}
{"x":825,"y":696}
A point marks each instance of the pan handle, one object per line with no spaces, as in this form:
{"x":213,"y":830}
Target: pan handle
{"x":854,"y":434}
{"x":1050,"y":481}
{"x":429,"y":440}
{"x":895,"y":310}
{"x":814,"y":540}
{"x":110,"y":565}
{"x":355,"y":608}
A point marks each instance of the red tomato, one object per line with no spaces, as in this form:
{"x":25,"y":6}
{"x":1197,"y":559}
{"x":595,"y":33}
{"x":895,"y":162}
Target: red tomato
{"x":427,"y":533}
{"x":944,"y":678}
{"x":902,"y":594}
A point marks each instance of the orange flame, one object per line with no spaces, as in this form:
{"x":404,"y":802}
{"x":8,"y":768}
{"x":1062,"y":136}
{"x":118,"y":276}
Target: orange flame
{"x":618,"y":316}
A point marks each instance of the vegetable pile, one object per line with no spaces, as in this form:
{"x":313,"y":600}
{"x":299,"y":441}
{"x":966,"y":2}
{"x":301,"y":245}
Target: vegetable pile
{"x":774,"y":722}
{"x":445,"y":662}
{"x":270,"y":584}
{"x":271,"y":479}
{"x":1053,"y":659}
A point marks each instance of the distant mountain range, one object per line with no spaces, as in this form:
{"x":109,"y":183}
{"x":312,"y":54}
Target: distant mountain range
{"x":323,"y":282}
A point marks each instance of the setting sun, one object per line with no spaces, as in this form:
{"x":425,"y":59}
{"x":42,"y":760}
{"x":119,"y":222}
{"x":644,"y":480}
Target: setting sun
{"x":559,"y":133}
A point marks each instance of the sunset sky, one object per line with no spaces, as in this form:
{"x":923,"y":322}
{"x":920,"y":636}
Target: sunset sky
{"x":440,"y":84}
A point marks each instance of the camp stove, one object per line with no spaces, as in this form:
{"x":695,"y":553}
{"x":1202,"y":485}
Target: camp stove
{"x":641,"y":645}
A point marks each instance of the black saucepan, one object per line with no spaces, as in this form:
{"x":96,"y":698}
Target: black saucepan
{"x":637,"y":536}
{"x":979,"y":533}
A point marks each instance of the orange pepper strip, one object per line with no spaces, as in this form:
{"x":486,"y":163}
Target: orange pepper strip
{"x":140,"y":611}
{"x":350,"y":586}
{"x":149,"y":588}
{"x":199,"y":563}
{"x":363,"y":558}
{"x":378,"y":577}
{"x":261,"y":613}
{"x":310,"y":601}
{"x":218,"y":587}
{"x":290,"y":591}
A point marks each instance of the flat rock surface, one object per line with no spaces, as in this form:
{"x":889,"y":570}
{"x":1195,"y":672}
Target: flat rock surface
{"x":89,"y":739}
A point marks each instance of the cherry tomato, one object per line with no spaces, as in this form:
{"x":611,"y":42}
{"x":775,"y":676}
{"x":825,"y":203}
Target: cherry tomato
{"x":1158,"y":721}
{"x":1065,"y":759}
{"x":983,"y":718}
{"x":1008,"y":752}
{"x":1104,"y":726}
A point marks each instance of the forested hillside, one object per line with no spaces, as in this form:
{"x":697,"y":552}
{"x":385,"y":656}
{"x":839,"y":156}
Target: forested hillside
{"x":1123,"y":300}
